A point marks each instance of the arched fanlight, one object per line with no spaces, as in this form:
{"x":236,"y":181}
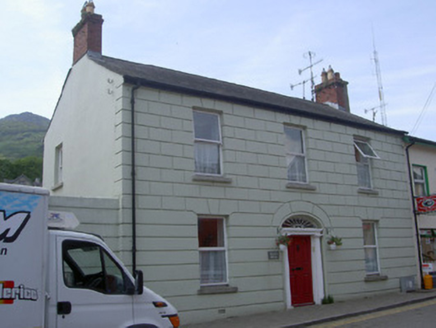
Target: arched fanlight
{"x":298,"y":222}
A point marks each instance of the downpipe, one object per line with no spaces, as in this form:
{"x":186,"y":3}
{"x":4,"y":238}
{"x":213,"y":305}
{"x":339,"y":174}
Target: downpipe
{"x":415,"y":218}
{"x":133,"y":176}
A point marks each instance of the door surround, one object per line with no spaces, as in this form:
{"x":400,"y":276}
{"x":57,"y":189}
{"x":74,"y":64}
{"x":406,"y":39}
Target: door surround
{"x":317,"y":272}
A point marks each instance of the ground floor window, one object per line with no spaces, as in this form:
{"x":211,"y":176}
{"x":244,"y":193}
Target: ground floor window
{"x":428,"y":246}
{"x":370,"y":247}
{"x":213,"y":252}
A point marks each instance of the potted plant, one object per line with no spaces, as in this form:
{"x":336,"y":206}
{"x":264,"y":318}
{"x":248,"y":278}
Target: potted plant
{"x":283,"y":241}
{"x":334,"y":241}
{"x":328,"y":299}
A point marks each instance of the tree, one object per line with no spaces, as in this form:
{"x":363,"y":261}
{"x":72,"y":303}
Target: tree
{"x":30,"y":166}
{"x":6,"y":170}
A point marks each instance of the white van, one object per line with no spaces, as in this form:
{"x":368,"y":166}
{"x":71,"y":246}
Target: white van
{"x":50,"y":277}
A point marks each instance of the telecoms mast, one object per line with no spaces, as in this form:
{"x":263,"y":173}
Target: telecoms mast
{"x":380,"y":85}
{"x":309,"y":55}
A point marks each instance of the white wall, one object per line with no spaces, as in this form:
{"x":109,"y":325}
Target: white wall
{"x":96,"y":215}
{"x":84,"y":123}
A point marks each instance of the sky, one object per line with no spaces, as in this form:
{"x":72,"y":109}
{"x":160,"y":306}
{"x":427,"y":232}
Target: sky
{"x":261,"y":44}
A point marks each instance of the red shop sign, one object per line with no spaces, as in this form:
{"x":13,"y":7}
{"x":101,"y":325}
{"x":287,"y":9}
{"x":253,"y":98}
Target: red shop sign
{"x":426,"y":204}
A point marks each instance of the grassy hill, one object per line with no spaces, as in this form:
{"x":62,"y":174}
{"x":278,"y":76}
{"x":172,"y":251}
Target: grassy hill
{"x":22,"y":135}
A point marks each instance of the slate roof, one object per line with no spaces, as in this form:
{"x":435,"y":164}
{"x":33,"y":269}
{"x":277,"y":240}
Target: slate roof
{"x":420,"y":141}
{"x":171,"y":80}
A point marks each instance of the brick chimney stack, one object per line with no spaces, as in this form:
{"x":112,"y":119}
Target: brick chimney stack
{"x":332,"y":91}
{"x":88,"y":32}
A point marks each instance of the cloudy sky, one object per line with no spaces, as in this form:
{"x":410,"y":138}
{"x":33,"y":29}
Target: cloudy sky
{"x":260,"y":44}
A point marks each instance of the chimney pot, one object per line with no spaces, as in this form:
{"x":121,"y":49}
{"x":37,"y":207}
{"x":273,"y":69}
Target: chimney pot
{"x":332,"y":90}
{"x":330,"y":73}
{"x":323,"y":76}
{"x":90,"y":7}
{"x":88,"y":32}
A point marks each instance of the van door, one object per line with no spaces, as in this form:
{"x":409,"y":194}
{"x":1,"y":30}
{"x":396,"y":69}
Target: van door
{"x":93,"y":290}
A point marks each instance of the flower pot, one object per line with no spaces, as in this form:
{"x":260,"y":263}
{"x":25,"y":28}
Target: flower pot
{"x":282,"y":247}
{"x":332,"y":246}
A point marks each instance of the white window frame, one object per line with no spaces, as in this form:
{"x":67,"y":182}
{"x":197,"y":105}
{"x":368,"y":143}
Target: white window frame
{"x":59,"y":158}
{"x":215,"y":249}
{"x":366,"y":152}
{"x":365,"y":149}
{"x":422,"y":182}
{"x":374,"y":226}
{"x":210,"y":141}
{"x":295,"y":154}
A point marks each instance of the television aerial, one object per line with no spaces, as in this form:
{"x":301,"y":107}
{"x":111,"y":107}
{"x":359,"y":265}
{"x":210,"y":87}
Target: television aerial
{"x":310,"y":55}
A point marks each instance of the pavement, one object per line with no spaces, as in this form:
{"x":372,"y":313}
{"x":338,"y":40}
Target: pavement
{"x":316,"y":314}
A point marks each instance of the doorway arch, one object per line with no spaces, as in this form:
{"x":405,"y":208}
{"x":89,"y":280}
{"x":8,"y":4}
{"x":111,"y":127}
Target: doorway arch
{"x":307,"y":231}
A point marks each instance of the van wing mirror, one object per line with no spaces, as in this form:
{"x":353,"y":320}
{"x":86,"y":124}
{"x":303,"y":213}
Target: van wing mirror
{"x":139,"y":282}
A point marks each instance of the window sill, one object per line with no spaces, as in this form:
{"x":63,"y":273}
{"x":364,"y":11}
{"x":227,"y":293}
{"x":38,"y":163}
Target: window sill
{"x":211,"y":178}
{"x":300,"y":186}
{"x":367,"y":191}
{"x":224,"y":289}
{"x":376,"y":277}
{"x":57,"y":186}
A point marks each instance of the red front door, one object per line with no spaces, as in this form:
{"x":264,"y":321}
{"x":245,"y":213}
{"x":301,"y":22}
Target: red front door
{"x":300,"y":269}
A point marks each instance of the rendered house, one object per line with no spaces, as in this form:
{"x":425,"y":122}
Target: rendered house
{"x":219,"y":173}
{"x":422,"y":160}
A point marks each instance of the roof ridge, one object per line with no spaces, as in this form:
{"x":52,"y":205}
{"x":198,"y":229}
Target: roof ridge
{"x":194,"y":84}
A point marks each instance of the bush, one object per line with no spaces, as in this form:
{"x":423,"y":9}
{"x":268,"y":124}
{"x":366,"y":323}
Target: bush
{"x":328,"y":299}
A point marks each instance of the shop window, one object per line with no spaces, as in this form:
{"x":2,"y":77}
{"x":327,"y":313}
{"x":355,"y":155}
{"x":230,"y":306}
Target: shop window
{"x":428,"y":246}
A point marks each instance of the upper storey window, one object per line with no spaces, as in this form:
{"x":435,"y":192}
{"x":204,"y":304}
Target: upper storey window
{"x":59,"y":155}
{"x":295,"y":154}
{"x":207,"y":147}
{"x":363,"y":153}
{"x":420,"y":180}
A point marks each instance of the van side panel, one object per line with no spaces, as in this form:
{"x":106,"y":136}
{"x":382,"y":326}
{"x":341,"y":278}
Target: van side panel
{"x":23,"y":241}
